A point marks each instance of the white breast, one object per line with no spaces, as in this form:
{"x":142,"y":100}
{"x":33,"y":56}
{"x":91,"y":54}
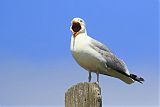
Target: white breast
{"x":85,"y":56}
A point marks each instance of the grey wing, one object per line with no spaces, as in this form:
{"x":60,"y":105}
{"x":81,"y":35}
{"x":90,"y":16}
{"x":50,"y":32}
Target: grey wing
{"x":99,"y":45}
{"x":111,"y":60}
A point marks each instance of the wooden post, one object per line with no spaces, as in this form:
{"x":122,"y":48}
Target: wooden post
{"x":85,"y":94}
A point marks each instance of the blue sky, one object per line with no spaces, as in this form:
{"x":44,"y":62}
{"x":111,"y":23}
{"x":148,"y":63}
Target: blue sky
{"x":36,"y":65}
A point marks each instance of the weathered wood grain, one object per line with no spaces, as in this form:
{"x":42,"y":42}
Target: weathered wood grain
{"x":85,"y":94}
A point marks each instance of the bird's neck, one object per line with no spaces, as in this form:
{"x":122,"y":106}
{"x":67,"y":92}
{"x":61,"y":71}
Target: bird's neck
{"x":83,"y":33}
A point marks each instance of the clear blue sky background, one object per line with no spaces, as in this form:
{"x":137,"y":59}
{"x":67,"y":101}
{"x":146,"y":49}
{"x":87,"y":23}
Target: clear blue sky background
{"x":36,"y":65}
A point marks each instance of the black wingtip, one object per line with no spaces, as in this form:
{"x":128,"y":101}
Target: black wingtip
{"x":136,"y":78}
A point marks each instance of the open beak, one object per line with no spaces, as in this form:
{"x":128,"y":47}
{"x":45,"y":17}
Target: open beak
{"x":75,"y":28}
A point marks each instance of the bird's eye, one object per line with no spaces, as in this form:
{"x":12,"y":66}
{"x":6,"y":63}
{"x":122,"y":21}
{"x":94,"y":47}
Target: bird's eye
{"x":81,"y":21}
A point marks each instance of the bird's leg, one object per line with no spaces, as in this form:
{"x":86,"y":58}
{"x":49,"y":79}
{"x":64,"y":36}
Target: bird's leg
{"x":90,"y":76}
{"x":97,"y":77}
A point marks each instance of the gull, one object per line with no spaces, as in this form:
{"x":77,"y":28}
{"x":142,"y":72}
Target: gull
{"x":95,"y":57}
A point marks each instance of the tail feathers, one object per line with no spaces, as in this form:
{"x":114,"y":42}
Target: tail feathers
{"x":136,"y":78}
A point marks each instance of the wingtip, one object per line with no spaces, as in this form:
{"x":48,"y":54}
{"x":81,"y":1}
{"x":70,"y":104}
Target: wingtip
{"x":136,"y":78}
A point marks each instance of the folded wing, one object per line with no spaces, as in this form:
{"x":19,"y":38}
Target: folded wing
{"x":112,"y":61}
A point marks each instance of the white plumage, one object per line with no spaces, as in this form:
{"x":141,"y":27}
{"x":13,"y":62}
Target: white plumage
{"x":96,"y":57}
